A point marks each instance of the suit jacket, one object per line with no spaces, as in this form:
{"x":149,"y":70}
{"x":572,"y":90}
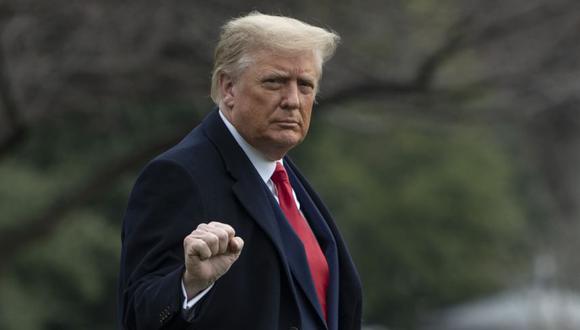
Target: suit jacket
{"x":207,"y":177}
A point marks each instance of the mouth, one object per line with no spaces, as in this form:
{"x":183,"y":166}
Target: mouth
{"x":287,"y":124}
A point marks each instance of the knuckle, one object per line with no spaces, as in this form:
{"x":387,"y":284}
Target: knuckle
{"x":194,"y":243}
{"x":187,"y":240}
{"x":198,"y":247}
{"x":222,"y":226}
{"x":212,"y":238}
{"x":221,"y":234}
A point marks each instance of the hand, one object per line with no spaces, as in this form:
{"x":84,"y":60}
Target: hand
{"x":209,"y":251}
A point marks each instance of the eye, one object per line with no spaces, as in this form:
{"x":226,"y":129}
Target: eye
{"x":272,"y":83}
{"x":306,"y":86}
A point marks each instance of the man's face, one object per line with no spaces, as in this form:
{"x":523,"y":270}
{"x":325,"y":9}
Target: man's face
{"x":271,"y":101}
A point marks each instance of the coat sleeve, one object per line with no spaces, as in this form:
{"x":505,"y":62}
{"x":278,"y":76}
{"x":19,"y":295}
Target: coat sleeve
{"x":165,"y":206}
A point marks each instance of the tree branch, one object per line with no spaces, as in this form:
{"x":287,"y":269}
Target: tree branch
{"x":460,"y":36}
{"x":372,"y":89}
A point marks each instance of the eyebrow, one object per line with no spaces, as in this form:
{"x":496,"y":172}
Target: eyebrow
{"x":276,"y":74}
{"x":285,"y":76}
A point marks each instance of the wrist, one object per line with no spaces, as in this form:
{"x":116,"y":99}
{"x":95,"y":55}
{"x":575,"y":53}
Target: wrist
{"x":192,"y":286}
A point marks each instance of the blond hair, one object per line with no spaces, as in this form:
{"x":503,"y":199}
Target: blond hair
{"x":242,"y":36}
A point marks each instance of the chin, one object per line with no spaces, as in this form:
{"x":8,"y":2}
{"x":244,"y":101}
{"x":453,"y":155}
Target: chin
{"x":289,"y":140}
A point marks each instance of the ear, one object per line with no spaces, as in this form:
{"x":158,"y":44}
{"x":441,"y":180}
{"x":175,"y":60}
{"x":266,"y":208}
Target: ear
{"x":226,"y":84}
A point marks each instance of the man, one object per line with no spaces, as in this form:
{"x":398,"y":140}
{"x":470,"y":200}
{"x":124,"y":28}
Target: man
{"x":222,"y":231}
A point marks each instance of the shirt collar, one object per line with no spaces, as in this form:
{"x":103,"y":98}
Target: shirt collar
{"x":264,"y":166}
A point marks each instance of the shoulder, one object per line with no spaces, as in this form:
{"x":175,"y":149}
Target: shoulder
{"x":193,"y":155}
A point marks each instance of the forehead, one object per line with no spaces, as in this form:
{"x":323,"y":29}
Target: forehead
{"x":295,"y":63}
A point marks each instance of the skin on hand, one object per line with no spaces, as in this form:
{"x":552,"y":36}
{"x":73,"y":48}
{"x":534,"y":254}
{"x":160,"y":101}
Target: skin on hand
{"x":209,"y":252}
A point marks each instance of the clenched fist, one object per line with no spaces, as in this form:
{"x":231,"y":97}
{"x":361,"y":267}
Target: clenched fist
{"x":209,"y":251}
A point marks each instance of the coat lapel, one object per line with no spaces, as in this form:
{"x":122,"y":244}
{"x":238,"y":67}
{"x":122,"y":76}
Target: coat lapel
{"x":349,"y":287}
{"x":323,"y":233}
{"x":296,"y":257}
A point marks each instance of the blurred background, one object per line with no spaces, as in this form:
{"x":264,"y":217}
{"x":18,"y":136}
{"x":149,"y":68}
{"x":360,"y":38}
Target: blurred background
{"x":446,"y":141}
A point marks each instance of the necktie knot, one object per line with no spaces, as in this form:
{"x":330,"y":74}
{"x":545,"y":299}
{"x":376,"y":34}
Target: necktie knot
{"x":280,"y":175}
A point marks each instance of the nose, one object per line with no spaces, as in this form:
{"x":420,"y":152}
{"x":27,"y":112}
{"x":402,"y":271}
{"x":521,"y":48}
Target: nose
{"x":290,"y":96}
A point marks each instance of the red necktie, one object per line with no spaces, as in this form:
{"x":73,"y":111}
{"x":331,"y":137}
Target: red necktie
{"x":316,"y":259}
